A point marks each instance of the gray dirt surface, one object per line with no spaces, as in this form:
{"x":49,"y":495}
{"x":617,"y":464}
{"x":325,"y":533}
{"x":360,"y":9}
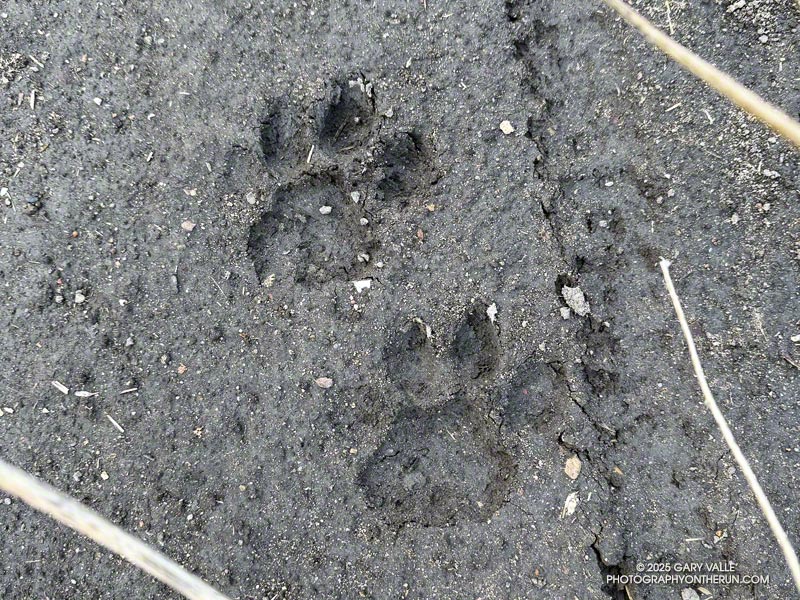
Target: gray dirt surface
{"x":433,"y":467}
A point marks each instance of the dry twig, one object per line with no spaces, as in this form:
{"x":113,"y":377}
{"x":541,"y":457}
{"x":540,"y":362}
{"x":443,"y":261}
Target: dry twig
{"x":723,"y":83}
{"x":744,"y":465}
{"x":75,"y":515}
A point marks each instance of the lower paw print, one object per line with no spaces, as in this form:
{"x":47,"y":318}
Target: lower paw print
{"x":442,"y":461}
{"x":450,"y":455}
{"x":437,"y":467}
{"x":332,"y":179}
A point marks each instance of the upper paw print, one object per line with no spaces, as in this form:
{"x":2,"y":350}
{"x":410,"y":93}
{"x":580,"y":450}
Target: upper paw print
{"x":334,"y":177}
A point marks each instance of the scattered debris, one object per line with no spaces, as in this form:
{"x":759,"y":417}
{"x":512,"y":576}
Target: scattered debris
{"x":428,"y":330}
{"x":310,"y":154}
{"x":570,"y":504}
{"x":420,"y":235}
{"x":128,"y":391}
{"x":60,"y":387}
{"x":575,"y":299}
{"x":507,"y":128}
{"x":324,"y":382}
{"x":325,"y":210}
{"x":182,"y":368}
{"x":114,"y":423}
{"x":362,"y":284}
{"x":84,"y":394}
{"x":491,"y":312}
{"x":573,"y":467}
{"x":188,"y":226}
{"x":689,"y":594}
{"x":736,"y":5}
{"x":431,"y":207}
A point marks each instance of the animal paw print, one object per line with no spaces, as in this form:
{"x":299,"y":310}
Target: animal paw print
{"x":442,"y":461}
{"x":318,"y":224}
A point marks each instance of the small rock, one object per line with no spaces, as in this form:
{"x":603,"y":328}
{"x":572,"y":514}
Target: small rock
{"x":363,"y":221}
{"x":79,"y":297}
{"x":491,"y":312}
{"x":735,"y":219}
{"x":565,"y":312}
{"x":188,"y":226}
{"x":689,"y":594}
{"x":795,"y":338}
{"x":182,"y":368}
{"x":507,"y":128}
{"x":250,"y":197}
{"x":325,"y":210}
{"x":104,"y":476}
{"x":324,"y":382}
{"x":570,"y":504}
{"x":98,"y":101}
{"x":575,"y":299}
{"x":7,"y":501}
{"x":362,"y":284}
{"x":573,"y":467}
{"x":355,"y":197}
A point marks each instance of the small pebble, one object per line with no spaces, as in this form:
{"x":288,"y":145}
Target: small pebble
{"x":324,"y":382}
{"x":565,"y":312}
{"x":573,"y":467}
{"x":491,"y":312}
{"x":575,"y":299}
{"x":507,"y":128}
{"x":362,"y":284}
{"x":79,"y":297}
{"x":188,"y":226}
{"x":325,"y":210}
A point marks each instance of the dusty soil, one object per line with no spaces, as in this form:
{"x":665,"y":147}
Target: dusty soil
{"x":161,"y":230}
